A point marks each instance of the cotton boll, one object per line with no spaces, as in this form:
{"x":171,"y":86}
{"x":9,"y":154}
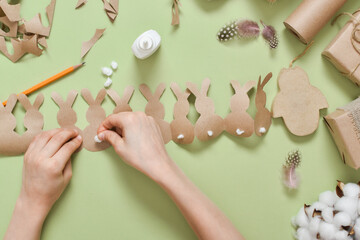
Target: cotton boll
{"x":348,"y":205}
{"x":329,"y":198}
{"x":342,"y":219}
{"x":314,"y":225}
{"x":108,"y":82}
{"x":351,"y":190}
{"x":342,"y":235}
{"x":301,"y":219}
{"x":328,"y":214}
{"x":327,"y":231}
{"x":114,"y":65}
{"x":357,"y":229}
{"x":315,"y":206}
{"x":107,"y":71}
{"x":303,"y":234}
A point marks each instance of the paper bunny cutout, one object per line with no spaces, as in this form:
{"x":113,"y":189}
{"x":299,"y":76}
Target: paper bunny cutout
{"x":209,"y":125}
{"x":10,"y":142}
{"x":33,"y":120}
{"x":181,"y":128}
{"x":95,"y":115}
{"x":239,"y":123}
{"x":298,"y":102}
{"x":155,"y":109}
{"x":121,"y":103}
{"x":263,"y":116}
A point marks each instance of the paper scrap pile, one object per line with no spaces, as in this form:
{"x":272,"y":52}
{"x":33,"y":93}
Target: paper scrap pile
{"x":334,"y":217}
{"x":111,"y":8}
{"x":26,"y":36}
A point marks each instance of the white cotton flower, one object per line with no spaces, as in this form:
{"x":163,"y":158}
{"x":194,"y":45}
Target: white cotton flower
{"x":107,"y":71}
{"x":303,"y":234}
{"x":315,"y":206}
{"x":301,"y":220}
{"x":357,"y":229}
{"x":351,"y":190}
{"x":314,"y":225}
{"x":348,"y":205}
{"x":114,"y":65}
{"x":342,"y":235}
{"x":342,"y":219}
{"x":329,"y":198}
{"x":327,"y":231}
{"x":328,"y":214}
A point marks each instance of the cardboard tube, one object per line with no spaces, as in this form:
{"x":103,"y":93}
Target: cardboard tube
{"x":310,"y":17}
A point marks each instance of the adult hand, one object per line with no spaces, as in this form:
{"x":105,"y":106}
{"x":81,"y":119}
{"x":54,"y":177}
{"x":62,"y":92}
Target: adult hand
{"x":47,"y":167}
{"x":137,"y":139}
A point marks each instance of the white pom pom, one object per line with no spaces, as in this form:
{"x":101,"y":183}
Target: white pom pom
{"x":301,"y":219}
{"x":342,"y":219}
{"x":303,"y":234}
{"x":342,"y":235}
{"x":327,"y":231}
{"x":180,"y":136}
{"x":262,"y":130}
{"x":351,"y":190}
{"x":96,"y":139}
{"x":108,"y":82}
{"x":328,"y":214}
{"x":210,"y":133}
{"x":348,"y":205}
{"x":114,"y":65}
{"x":329,"y":198}
{"x":314,"y":225}
{"x":107,"y":71}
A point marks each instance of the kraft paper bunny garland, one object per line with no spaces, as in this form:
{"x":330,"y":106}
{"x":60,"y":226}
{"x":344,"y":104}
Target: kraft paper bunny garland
{"x":208,"y":126}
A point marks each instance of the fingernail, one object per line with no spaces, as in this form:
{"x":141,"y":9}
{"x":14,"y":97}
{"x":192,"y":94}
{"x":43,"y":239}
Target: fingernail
{"x":78,"y":137}
{"x":101,"y":136}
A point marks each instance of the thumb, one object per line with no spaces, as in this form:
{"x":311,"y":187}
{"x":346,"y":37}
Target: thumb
{"x":111,"y":137}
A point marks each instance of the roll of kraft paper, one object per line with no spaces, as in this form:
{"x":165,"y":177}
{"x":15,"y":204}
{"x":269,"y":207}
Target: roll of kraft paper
{"x":310,"y":17}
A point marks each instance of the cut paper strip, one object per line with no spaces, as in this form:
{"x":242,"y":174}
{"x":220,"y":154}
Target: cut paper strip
{"x":9,"y":142}
{"x":80,"y":3}
{"x":20,"y":48}
{"x":86,"y":46}
{"x":95,"y":115}
{"x":35,"y":25}
{"x":182,"y":129}
{"x":175,"y":12}
{"x":263,"y":116}
{"x":122,"y":103}
{"x":239,"y":123}
{"x":111,"y":8}
{"x":66,"y":116}
{"x":12,"y":26}
{"x":33,"y":120}
{"x":11,"y":11}
{"x":155,"y":109}
{"x":209,"y":125}
{"x":298,"y":102}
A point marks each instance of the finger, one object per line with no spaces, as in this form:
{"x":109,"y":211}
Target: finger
{"x":111,"y":137}
{"x":58,"y":140}
{"x":62,"y":156}
{"x":42,"y":139}
{"x":114,"y":121}
{"x":67,"y":172}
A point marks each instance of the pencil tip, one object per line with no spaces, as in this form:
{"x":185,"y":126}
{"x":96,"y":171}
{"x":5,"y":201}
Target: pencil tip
{"x":83,"y":63}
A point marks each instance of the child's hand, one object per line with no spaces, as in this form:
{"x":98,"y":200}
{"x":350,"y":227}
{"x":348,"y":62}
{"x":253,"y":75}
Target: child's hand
{"x":47,"y":167}
{"x":137,"y":139}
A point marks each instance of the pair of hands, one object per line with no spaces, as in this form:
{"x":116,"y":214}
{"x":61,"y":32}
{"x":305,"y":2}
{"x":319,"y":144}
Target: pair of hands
{"x":47,"y":170}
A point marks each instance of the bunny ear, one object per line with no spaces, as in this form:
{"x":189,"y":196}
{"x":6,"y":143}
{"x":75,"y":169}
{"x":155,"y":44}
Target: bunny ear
{"x":193,"y":88}
{"x":205,"y":86}
{"x":38,"y":101}
{"x":175,"y":89}
{"x":236,"y":86}
{"x":100,"y":96}
{"x":23,"y":99}
{"x":249,"y":85}
{"x":86,"y":94}
{"x":259,"y":87}
{"x":57,"y":99}
{"x":128,"y":92}
{"x":114,"y":96}
{"x":71,"y":98}
{"x":11,"y":102}
{"x":266,"y":79}
{"x":145,"y":91}
{"x":160,"y":90}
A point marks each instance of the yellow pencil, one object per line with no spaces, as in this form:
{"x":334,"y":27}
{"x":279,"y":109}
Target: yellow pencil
{"x":50,"y":80}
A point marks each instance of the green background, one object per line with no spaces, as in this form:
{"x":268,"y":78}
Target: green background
{"x":107,"y":199}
